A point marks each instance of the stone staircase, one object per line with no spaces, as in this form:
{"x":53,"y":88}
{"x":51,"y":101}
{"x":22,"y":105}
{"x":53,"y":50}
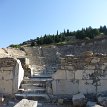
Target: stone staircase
{"x":43,"y":71}
{"x":35,"y":55}
{"x":34,"y":87}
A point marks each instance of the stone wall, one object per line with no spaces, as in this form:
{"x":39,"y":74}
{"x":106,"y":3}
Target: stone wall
{"x":18,"y":77}
{"x":42,"y":59}
{"x":41,"y":55}
{"x":11,"y":75}
{"x":83,"y":74}
{"x":97,"y":46}
{"x":49,"y":55}
{"x":14,"y":52}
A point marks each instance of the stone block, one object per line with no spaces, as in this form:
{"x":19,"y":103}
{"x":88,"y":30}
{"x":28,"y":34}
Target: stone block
{"x":62,"y":67}
{"x":6,"y":75}
{"x":65,"y":87}
{"x":87,"y":53}
{"x":103,"y":75}
{"x":95,"y":60}
{"x":102,"y":101}
{"x":86,"y":87}
{"x":62,"y":60}
{"x":105,"y":63}
{"x":91,"y":104}
{"x":7,"y":68}
{"x":26,"y":103}
{"x":79,"y":74}
{"x":87,"y":73}
{"x":79,"y":100}
{"x":96,"y":105}
{"x":70,"y":74}
{"x":89,"y":67}
{"x":60,"y":101}
{"x":60,"y":74}
{"x":102,"y":86}
{"x":69,"y":67}
{"x":103,"y":67}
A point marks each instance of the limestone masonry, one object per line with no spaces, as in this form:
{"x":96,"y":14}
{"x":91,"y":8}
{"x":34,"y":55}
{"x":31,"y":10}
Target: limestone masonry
{"x":86,"y":74}
{"x":11,"y":75}
{"x":56,"y":73}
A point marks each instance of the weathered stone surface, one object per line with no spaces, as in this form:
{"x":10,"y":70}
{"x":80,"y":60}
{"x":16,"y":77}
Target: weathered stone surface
{"x":102,"y":101}
{"x":95,"y":60}
{"x":11,"y":75}
{"x":62,"y":87}
{"x":86,"y":87}
{"x":90,"y":67}
{"x":60,"y":75}
{"x":26,"y":103}
{"x":91,"y":104}
{"x":60,"y":101}
{"x":70,"y":75}
{"x":102,"y":85}
{"x":79,"y":74}
{"x":1,"y":99}
{"x":96,"y":106}
{"x":87,"y":74}
{"x":87,"y":53}
{"x":79,"y":100}
{"x":91,"y":73}
{"x":69,"y":67}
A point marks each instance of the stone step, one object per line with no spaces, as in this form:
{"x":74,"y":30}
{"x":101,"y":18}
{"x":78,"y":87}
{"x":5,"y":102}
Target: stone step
{"x":32,"y":88}
{"x":43,"y":72}
{"x":33,"y":84}
{"x":38,"y":73}
{"x":37,"y":79}
{"x":37,"y":86}
{"x":32,"y":95}
{"x":43,"y":76}
{"x":32,"y":91}
{"x":35,"y":89}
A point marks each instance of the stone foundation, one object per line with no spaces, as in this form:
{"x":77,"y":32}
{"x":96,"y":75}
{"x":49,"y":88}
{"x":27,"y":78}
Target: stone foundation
{"x":11,"y":75}
{"x":84,"y":74}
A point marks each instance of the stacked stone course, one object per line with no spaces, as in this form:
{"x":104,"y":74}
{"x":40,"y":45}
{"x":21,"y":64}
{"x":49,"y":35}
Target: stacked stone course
{"x":11,"y":75}
{"x":86,"y":74}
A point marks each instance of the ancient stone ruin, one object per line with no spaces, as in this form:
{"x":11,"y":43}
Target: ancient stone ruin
{"x":56,"y":74}
{"x":11,"y":75}
{"x":85,"y":74}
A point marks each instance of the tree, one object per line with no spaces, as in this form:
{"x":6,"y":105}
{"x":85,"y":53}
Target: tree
{"x":32,"y":43}
{"x":86,"y":34}
{"x":57,"y":32}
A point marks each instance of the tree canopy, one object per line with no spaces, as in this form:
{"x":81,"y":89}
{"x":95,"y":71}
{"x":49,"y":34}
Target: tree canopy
{"x":67,"y":36}
{"x":84,"y":33}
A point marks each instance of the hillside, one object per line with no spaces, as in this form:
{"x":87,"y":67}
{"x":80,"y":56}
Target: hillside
{"x":66,"y":37}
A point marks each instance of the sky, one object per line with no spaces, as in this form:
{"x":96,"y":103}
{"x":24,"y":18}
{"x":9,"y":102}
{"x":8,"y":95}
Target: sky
{"x":21,"y":20}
